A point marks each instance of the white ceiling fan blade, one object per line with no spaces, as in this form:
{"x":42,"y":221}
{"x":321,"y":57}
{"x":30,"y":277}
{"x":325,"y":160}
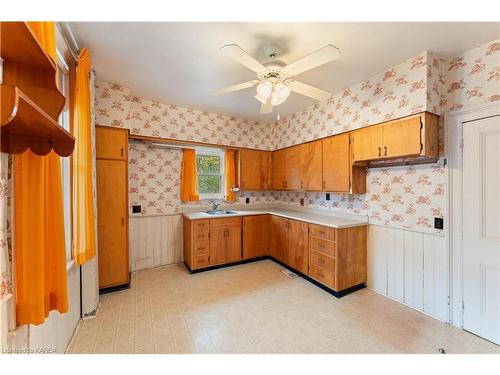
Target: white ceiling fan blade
{"x":240,"y":86}
{"x":266,"y":108}
{"x":235,"y":52}
{"x":307,"y":90}
{"x":320,"y":57}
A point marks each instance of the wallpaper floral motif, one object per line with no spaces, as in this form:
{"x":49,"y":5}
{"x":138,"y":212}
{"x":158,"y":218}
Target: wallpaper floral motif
{"x":403,"y":197}
{"x":115,"y":106}
{"x":5,"y":248}
{"x":399,"y":91}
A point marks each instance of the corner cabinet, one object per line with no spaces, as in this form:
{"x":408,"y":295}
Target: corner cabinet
{"x":410,"y":140}
{"x":112,"y":206}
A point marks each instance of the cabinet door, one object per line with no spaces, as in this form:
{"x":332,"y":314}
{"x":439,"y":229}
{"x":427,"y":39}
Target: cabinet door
{"x":250,"y":172}
{"x":111,"y":143}
{"x":293,"y":171}
{"x":256,"y":236}
{"x":233,"y":244}
{"x":278,"y":177}
{"x":279,"y":238}
{"x":366,"y":143}
{"x":402,"y":138}
{"x":266,"y":167}
{"x":298,"y":245}
{"x":112,"y":222}
{"x":217,"y":245}
{"x":336,"y":163}
{"x":311,"y":165}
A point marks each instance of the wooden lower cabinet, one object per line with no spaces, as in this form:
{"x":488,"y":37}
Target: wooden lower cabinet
{"x":298,"y":245}
{"x":337,"y":257}
{"x":212,"y":242}
{"x":279,"y":238}
{"x":333,"y":257}
{"x":256,"y":236}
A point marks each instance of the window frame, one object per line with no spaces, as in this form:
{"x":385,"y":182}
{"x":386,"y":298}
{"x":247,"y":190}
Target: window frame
{"x":64,"y":86}
{"x":212,"y":152}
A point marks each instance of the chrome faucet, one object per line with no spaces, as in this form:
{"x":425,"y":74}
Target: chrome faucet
{"x":215,"y":205}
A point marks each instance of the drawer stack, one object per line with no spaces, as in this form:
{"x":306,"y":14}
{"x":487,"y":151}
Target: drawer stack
{"x":322,"y":249}
{"x":201,"y":243}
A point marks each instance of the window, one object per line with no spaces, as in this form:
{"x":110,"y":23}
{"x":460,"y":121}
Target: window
{"x":63,"y":83}
{"x":210,"y":168}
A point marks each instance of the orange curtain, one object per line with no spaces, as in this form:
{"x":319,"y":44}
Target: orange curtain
{"x":39,"y":246}
{"x":230,"y":174}
{"x":83,"y":209}
{"x":189,"y":177}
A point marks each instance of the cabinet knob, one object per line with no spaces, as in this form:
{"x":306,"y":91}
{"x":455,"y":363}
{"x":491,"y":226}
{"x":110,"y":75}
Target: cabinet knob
{"x":385,"y":150}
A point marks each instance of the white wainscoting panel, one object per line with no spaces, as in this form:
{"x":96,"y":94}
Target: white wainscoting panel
{"x":410,"y":267}
{"x":155,"y":241}
{"x":56,"y":332}
{"x":435,"y":277}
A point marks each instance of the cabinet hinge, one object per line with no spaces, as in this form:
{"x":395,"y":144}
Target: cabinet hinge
{"x":208,"y":234}
{"x":421,"y":124}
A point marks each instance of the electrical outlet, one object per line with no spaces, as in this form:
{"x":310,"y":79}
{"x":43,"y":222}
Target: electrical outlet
{"x":438,"y":223}
{"x":328,"y":196}
{"x":136,"y":209}
{"x":302,"y":202}
{"x":247,"y":200}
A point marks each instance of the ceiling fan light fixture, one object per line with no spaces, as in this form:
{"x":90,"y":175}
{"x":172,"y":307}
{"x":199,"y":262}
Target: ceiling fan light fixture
{"x":261,"y":99}
{"x":264,"y":89}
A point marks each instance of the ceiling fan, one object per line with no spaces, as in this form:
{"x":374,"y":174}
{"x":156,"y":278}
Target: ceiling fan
{"x":275,"y":78}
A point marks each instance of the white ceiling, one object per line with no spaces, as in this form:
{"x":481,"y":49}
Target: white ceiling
{"x":180,"y":63}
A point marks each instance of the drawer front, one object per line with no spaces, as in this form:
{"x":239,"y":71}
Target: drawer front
{"x":321,"y":260}
{"x":322,"y":232}
{"x":201,"y":247}
{"x":323,"y":275}
{"x":225,"y":222}
{"x":200,"y":224}
{"x":322,"y":246}
{"x":200,"y":261}
{"x":200,"y":235}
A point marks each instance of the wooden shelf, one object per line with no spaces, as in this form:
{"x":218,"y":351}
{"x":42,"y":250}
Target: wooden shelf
{"x":25,"y":125}
{"x":18,"y":44}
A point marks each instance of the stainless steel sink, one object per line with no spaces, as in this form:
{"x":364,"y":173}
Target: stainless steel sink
{"x":220,"y":212}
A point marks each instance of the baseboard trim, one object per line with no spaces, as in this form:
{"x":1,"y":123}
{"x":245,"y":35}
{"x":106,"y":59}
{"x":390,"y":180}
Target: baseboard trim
{"x":337,"y":294}
{"x":115,"y":288}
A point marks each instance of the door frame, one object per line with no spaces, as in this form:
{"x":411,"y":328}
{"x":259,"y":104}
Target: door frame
{"x":453,"y":147}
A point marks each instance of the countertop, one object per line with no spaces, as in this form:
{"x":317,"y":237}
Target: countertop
{"x":331,"y":220}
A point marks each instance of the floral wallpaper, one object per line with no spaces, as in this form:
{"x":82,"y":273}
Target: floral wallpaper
{"x":5,"y":248}
{"x":403,"y":197}
{"x":115,"y":106}
{"x":399,"y":91}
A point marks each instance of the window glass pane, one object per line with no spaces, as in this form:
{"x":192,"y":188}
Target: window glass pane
{"x":208,"y":164}
{"x":209,"y":184}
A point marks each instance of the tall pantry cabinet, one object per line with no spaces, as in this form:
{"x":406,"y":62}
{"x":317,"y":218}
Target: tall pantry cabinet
{"x":112,"y":206}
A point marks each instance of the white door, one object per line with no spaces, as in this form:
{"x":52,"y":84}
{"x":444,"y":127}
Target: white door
{"x":481,"y":227}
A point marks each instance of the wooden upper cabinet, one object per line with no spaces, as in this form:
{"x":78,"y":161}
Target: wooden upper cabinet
{"x":293,"y":170}
{"x":278,"y":162}
{"x":336,"y":163}
{"x":266,"y":168}
{"x":250,"y":170}
{"x":111,"y":143}
{"x":311,"y":166}
{"x":256,"y":236}
{"x":402,"y":138}
{"x":366,"y":143}
{"x":411,"y":137}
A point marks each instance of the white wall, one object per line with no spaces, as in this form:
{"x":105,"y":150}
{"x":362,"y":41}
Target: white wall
{"x":410,"y":267}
